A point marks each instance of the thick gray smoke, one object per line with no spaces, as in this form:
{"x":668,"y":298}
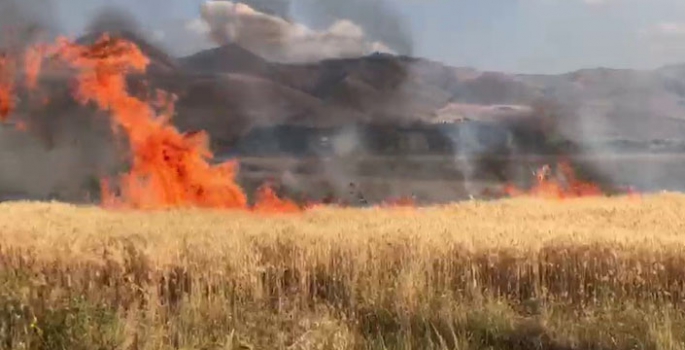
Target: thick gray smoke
{"x":66,"y":148}
{"x":75,"y":138}
{"x":279,"y":30}
{"x":25,"y":21}
{"x":113,"y":19}
{"x":305,"y":31}
{"x":267,"y":29}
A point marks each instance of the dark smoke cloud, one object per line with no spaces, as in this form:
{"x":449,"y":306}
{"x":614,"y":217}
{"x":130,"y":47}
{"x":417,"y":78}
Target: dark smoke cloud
{"x":66,"y":148}
{"x":114,"y":19}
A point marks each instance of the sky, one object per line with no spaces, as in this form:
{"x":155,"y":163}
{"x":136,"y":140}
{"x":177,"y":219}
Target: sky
{"x":515,"y":36}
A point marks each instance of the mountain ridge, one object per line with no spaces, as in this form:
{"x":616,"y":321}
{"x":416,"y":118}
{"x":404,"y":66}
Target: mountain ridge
{"x":227,"y":90}
{"x":395,"y":107}
{"x":651,"y":101}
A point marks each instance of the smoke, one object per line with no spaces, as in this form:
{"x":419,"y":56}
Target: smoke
{"x":75,"y":139}
{"x":279,"y":30}
{"x":267,"y":29}
{"x":70,"y":170}
{"x":341,"y":170}
{"x":277,"y":39}
{"x":306,"y":31}
{"x":23,"y":22}
{"x":66,"y":148}
{"x":276,"y":8}
{"x":379,"y":19}
{"x":114,"y":19}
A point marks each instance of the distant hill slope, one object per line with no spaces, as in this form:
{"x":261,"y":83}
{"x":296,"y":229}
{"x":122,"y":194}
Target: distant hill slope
{"x":228,"y":90}
{"x":393,"y":105}
{"x":597,"y":103}
{"x":620,"y":104}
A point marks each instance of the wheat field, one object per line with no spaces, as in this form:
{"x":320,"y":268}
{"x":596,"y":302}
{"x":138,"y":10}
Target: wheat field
{"x":601,"y":273}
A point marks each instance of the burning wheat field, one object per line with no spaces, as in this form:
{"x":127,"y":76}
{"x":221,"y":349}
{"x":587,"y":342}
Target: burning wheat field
{"x":176,"y":253}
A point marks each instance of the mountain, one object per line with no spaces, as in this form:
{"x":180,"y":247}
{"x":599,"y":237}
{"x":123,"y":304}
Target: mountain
{"x":379,"y":88}
{"x":229,"y":58}
{"x":593,"y":104}
{"x":229,"y":90}
{"x":620,"y":104}
{"x":396,"y":106}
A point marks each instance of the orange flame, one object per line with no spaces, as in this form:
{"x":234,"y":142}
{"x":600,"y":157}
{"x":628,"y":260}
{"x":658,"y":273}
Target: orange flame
{"x":7,"y":102}
{"x":33,"y":57}
{"x":169,"y":168}
{"x":268,"y":201}
{"x":553,"y":188}
{"x":33,"y":60}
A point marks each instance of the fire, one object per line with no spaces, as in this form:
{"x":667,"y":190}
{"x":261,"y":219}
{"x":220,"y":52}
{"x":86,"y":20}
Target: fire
{"x":400,"y":202}
{"x":563,"y":184}
{"x":33,"y":59}
{"x":172,"y":169}
{"x":268,"y":201}
{"x":169,"y":168}
{"x":7,"y":101}
{"x":8,"y":87}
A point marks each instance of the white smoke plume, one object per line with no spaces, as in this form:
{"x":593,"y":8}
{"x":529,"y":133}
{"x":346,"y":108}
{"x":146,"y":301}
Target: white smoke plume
{"x":280,"y":40}
{"x":381,"y":19}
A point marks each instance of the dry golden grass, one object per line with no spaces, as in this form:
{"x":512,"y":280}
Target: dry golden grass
{"x":359,"y":278}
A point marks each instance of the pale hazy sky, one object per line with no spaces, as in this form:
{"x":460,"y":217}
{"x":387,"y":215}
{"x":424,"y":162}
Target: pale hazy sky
{"x":532,"y":36}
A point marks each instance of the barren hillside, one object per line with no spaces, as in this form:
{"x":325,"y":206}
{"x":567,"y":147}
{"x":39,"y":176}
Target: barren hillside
{"x":394,"y":106}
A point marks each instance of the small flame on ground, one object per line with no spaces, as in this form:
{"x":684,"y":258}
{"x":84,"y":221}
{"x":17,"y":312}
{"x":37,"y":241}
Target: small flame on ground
{"x":7,"y":94}
{"x":268,"y":201}
{"x":551,"y":186}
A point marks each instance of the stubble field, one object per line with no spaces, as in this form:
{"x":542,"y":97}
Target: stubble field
{"x":516,"y":274}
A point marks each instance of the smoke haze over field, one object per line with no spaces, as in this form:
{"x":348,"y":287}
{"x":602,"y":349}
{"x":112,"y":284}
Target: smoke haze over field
{"x":395,"y":90}
{"x":65,"y":148}
{"x":24,"y":21}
